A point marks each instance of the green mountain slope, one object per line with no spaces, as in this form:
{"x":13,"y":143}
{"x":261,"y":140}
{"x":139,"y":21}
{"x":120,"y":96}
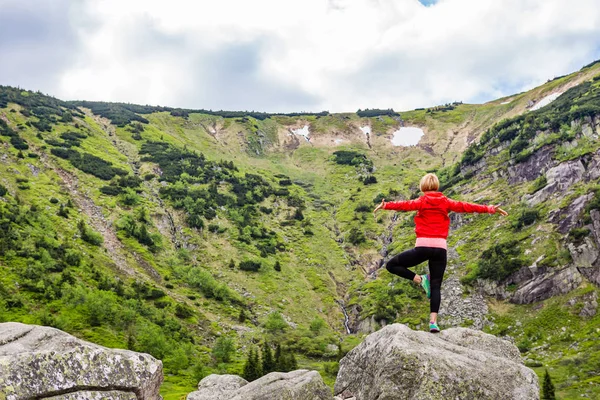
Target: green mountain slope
{"x":184,"y":233}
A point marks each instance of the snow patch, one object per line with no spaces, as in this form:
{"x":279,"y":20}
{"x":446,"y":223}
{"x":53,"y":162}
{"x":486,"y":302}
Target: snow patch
{"x":506,"y":102}
{"x":408,"y":136}
{"x":366,"y":129}
{"x":338,"y":141}
{"x":546,"y":100}
{"x":302,"y":132}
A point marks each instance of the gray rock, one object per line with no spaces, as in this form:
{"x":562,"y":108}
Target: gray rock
{"x":584,"y":254}
{"x":296,"y":385}
{"x":458,"y":309}
{"x":593,"y":167}
{"x":40,"y":362}
{"x":217,"y":387}
{"x":533,"y":167}
{"x":591,"y":273}
{"x":547,"y":284}
{"x":559,"y":179}
{"x":590,"y":305}
{"x":567,"y":218}
{"x":399,"y":363}
{"x":91,"y":395}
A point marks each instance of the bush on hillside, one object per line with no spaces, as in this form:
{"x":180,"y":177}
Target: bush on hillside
{"x":499,"y":261}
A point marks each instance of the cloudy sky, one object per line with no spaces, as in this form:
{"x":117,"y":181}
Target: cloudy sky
{"x":293,"y":55}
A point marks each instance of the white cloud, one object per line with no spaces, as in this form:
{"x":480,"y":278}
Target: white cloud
{"x":338,"y":55}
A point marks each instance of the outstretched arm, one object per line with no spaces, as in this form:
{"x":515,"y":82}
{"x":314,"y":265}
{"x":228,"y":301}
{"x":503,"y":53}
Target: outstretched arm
{"x":409,"y":205}
{"x":464,"y":207}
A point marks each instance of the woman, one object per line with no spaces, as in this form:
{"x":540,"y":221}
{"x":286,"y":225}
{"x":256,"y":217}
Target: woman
{"x":431,"y":227}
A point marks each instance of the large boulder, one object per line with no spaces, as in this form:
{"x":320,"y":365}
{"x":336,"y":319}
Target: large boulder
{"x":399,"y":363}
{"x":296,"y":385}
{"x":217,"y":387}
{"x":40,"y":362}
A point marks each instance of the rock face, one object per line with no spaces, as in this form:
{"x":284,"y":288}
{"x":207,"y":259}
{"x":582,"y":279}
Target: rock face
{"x":398,"y":363}
{"x":295,"y":385}
{"x":41,"y":362}
{"x":217,"y":387}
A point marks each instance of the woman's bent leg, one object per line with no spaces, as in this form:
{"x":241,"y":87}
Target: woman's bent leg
{"x":400,"y":263}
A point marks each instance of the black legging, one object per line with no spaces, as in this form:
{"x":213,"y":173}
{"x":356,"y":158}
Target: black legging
{"x":400,"y":263}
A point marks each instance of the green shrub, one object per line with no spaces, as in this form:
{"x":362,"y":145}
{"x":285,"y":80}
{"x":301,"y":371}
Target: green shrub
{"x":526,"y":218}
{"x":356,"y":236}
{"x":499,"y":261}
{"x":576,"y":235}
{"x":538,"y":184}
{"x":250,"y":265}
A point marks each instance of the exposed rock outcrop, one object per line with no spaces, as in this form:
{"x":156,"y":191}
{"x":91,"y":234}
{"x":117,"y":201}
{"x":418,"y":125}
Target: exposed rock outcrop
{"x":533,"y":167}
{"x":567,"y":218}
{"x":41,"y":362}
{"x":559,"y":178}
{"x":399,"y":363}
{"x":295,"y":385}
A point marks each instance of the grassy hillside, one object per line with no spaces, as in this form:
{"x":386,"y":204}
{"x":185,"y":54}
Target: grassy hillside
{"x":196,"y":236}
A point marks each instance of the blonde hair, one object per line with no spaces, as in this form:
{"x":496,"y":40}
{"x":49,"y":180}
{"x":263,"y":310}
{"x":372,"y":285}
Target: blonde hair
{"x":429,"y":183}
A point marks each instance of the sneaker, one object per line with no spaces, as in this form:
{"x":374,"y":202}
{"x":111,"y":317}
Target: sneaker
{"x":425,"y":285}
{"x":433,"y":327}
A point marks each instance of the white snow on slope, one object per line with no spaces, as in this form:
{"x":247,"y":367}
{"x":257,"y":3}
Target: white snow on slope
{"x":546,"y":100}
{"x":408,"y":136}
{"x":302,"y":132}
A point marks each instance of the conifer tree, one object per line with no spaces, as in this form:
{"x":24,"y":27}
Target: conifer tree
{"x":548,"y":388}
{"x":278,"y":357}
{"x":277,"y":266}
{"x":242,"y":317}
{"x":259,"y":371}
{"x":251,"y":367}
{"x":268,"y":364}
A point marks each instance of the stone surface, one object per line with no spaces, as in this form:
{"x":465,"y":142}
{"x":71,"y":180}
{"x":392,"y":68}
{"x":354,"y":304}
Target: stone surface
{"x":296,"y":385}
{"x":590,"y":305}
{"x":567,"y":218}
{"x":41,"y":362}
{"x":547,"y":283}
{"x":458,"y":309}
{"x":217,"y":387}
{"x":94,"y":395}
{"x":398,"y":363}
{"x":533,"y":167}
{"x":559,"y":178}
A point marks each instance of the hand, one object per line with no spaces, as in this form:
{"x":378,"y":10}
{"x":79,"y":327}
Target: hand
{"x":499,"y":210}
{"x":379,"y":207}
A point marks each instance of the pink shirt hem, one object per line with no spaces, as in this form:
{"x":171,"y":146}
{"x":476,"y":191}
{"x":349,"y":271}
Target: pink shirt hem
{"x":431,"y":242}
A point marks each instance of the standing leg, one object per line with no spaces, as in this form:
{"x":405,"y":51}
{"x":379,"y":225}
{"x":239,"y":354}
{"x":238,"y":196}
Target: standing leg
{"x":400,"y":263}
{"x":437,"y":266}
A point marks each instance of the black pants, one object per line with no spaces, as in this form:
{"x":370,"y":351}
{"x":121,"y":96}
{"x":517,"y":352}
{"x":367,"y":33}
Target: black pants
{"x":400,"y":263}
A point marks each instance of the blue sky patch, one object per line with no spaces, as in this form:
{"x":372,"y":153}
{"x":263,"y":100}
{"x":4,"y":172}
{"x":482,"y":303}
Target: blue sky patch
{"x":428,"y":3}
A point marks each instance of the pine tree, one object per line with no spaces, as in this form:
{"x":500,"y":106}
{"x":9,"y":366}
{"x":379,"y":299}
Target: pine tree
{"x":258,"y":370}
{"x":268,"y":364}
{"x":242,"y":317}
{"x":231,"y":264}
{"x":278,"y":357}
{"x":548,"y":388}
{"x":250,"y":368}
{"x":293,"y":364}
{"x":277,"y":266}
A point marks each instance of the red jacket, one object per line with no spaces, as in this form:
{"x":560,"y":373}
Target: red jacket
{"x":432,"y":212}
